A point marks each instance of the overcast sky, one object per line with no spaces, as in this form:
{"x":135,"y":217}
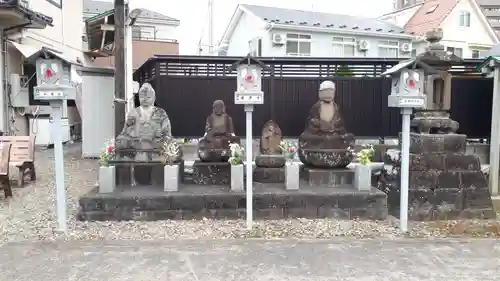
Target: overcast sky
{"x":193,"y":13}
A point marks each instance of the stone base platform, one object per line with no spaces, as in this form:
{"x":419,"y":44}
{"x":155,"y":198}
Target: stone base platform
{"x":327,"y":177}
{"x":146,"y":173}
{"x":269,"y":175}
{"x":271,"y":201}
{"x":211,"y":173}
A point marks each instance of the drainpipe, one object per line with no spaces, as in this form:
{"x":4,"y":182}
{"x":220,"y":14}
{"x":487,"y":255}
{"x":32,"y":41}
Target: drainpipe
{"x":3,"y":81}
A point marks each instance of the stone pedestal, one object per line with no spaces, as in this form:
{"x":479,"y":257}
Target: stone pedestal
{"x":211,"y":173}
{"x":145,"y":173}
{"x":269,"y":169}
{"x":326,"y":151}
{"x":328,"y":177}
{"x":269,"y":175}
{"x":107,"y":179}
{"x":445,"y":183}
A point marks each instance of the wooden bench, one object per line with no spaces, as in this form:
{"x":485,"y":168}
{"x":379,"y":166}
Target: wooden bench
{"x":4,"y":168}
{"x":22,"y":155}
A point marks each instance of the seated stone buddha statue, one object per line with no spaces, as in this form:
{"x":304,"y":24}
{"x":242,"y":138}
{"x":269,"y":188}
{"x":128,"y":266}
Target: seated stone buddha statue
{"x":146,"y":129}
{"x":219,"y":133}
{"x":325,"y":143}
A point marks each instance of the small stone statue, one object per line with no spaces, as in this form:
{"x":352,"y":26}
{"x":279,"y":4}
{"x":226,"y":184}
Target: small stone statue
{"x":325,"y":143}
{"x":219,"y":133}
{"x":270,"y":163}
{"x":146,"y":129}
{"x":270,"y":139}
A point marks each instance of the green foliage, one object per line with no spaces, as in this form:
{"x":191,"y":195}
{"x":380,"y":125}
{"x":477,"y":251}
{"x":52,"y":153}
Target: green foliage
{"x":343,"y":70}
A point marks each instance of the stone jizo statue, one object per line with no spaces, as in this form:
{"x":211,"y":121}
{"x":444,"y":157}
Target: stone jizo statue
{"x":325,"y":117}
{"x":219,"y":133}
{"x":325,"y":143}
{"x":146,"y":129}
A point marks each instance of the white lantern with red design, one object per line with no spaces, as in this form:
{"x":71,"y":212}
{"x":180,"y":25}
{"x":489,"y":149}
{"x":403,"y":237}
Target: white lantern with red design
{"x":407,"y":86}
{"x":249,"y":85}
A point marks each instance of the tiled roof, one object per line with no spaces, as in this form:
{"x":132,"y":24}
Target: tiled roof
{"x":430,"y":16}
{"x":97,"y":7}
{"x":317,"y":19}
{"x":28,"y":13}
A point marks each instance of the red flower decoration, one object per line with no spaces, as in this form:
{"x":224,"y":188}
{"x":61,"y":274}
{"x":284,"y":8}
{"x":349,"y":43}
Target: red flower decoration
{"x":49,"y":73}
{"x":291,"y":149}
{"x":110,"y":149}
{"x":249,"y":78}
{"x":411,"y":83}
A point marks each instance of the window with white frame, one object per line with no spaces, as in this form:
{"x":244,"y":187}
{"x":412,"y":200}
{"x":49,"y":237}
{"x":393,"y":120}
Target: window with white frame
{"x":388,"y":49}
{"x":344,"y":46}
{"x":475,"y":54}
{"x":464,"y":19}
{"x":456,"y":51}
{"x":298,"y":44}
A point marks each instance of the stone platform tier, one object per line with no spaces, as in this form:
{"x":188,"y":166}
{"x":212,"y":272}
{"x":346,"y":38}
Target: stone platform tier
{"x":445,"y":183}
{"x":271,"y":201}
{"x":146,"y":173}
{"x":211,"y":173}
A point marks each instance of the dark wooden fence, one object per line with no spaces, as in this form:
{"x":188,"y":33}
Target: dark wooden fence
{"x":187,"y":86}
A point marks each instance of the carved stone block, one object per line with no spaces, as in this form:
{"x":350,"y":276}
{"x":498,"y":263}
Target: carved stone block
{"x":270,"y":161}
{"x":269,"y":175}
{"x":330,"y":178}
{"x":445,"y":143}
{"x":326,"y":158}
{"x":210,"y":173}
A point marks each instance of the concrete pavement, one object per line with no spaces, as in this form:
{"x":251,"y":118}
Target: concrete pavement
{"x":249,"y":260}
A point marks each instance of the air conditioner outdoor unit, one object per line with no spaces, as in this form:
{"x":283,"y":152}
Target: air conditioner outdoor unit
{"x":19,"y":93}
{"x":363,"y":45}
{"x":278,"y":40}
{"x":406,"y":47}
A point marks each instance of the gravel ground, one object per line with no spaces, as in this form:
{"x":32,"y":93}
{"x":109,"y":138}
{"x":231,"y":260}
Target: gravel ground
{"x":30,"y":215}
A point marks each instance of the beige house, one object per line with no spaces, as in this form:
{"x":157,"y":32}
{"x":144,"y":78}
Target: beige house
{"x":29,"y":26}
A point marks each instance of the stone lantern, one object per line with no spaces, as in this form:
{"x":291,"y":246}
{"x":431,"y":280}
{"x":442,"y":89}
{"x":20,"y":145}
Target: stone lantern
{"x":435,"y":117}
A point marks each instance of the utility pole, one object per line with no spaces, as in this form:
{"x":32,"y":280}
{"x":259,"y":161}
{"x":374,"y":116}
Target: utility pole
{"x":211,"y":46}
{"x":119,"y":54}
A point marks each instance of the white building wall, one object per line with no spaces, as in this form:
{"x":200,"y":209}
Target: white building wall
{"x":66,"y":34}
{"x":460,"y":37}
{"x":250,"y":27}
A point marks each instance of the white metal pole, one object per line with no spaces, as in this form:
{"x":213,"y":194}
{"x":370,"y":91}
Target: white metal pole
{"x":59,"y":166}
{"x":249,"y":185}
{"x":405,"y":165}
{"x":495,"y":135}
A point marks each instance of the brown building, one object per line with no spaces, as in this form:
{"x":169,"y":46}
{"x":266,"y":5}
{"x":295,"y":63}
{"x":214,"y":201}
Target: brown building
{"x":152,"y":33}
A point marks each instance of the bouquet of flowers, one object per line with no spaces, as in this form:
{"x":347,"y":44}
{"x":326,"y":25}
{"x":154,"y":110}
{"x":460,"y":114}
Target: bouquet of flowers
{"x":107,"y":153}
{"x":237,"y":153}
{"x":170,"y":151}
{"x":288,"y":149}
{"x":366,"y":154}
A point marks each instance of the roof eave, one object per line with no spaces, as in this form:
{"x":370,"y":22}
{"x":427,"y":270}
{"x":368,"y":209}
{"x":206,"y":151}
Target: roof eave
{"x":344,"y":31}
